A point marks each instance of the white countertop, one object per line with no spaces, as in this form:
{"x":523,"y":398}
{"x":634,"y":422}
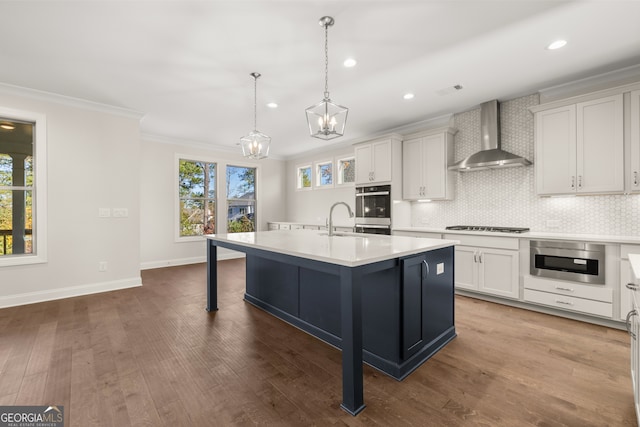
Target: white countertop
{"x":348,"y":249}
{"x":633,"y":240}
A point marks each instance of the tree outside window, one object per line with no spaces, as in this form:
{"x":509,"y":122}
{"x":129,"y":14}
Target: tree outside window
{"x":197,"y":184}
{"x":304,"y":177}
{"x":346,"y":171}
{"x":324,"y":174}
{"x":16,"y":187}
{"x":241,"y":199}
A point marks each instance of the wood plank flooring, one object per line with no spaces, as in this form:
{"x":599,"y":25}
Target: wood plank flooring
{"x":152,"y":356}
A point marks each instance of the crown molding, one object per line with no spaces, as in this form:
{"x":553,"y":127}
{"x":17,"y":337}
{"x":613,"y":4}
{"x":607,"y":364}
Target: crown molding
{"x":69,"y":101}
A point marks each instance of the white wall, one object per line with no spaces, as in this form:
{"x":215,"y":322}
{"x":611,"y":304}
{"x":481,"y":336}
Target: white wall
{"x":158,"y":199}
{"x":93,"y":161}
{"x":312,"y":206}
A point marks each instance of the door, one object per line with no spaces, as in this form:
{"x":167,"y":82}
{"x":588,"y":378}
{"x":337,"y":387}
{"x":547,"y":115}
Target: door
{"x":381,"y":161}
{"x":413,"y":278}
{"x":635,"y":141}
{"x":555,"y":160}
{"x":435,"y":170}
{"x":498,"y":272}
{"x":364,"y":160}
{"x":466,"y":269}
{"x":412,"y":159}
{"x":600,"y":148}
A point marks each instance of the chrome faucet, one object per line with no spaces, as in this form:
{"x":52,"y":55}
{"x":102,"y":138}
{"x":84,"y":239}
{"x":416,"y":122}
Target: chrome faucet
{"x":331,"y":215}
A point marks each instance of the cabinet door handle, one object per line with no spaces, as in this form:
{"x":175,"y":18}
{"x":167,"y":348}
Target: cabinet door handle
{"x":635,"y":178}
{"x":560,"y":288}
{"x":563,"y":302}
{"x":426,"y":265}
{"x":627,"y":322}
{"x":579,"y":181}
{"x":475,"y":257}
{"x":480,"y":257}
{"x":573,"y":182}
{"x":632,"y":286}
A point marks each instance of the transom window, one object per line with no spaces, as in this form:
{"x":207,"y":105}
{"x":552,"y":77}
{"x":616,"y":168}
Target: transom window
{"x":346,"y":171}
{"x":324,"y":174}
{"x":303,"y":177}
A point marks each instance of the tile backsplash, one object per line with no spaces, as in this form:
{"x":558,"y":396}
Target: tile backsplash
{"x":506,"y":197}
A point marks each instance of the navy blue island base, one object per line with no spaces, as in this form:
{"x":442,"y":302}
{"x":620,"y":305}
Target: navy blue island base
{"x":392,"y":314}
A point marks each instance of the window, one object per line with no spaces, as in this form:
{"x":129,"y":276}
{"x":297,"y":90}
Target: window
{"x":241,"y":199}
{"x":304,"y":177}
{"x":197,"y":194}
{"x":22,"y":171}
{"x":324,"y":174}
{"x":346,"y":171}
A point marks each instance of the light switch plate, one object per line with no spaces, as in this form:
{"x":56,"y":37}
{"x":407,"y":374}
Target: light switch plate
{"x":120,"y":212}
{"x":440,"y":268}
{"x":104,"y":212}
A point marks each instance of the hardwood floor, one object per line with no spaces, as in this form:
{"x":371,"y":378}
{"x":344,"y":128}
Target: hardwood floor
{"x":152,"y":356}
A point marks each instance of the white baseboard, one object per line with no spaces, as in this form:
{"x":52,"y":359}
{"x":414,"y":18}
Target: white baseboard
{"x":68,"y":292}
{"x":185,"y":261}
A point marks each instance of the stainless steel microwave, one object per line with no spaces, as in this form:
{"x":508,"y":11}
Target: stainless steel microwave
{"x":574,"y":261}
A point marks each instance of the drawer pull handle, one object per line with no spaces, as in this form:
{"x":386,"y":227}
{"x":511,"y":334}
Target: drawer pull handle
{"x":560,"y":288}
{"x":632,"y":286}
{"x":564,"y":302}
{"x":627,"y":322}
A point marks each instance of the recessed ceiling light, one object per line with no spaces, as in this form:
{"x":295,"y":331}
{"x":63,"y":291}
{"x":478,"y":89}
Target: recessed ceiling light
{"x":350,"y":62}
{"x":7,"y":126}
{"x":557,"y":44}
{"x":272,"y":105}
{"x":408,"y":96}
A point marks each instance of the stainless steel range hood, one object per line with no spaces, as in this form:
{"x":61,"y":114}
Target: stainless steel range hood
{"x":490,"y":156}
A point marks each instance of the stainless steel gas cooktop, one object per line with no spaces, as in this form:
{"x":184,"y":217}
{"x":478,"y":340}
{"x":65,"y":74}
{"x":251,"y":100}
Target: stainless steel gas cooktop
{"x":486,"y":228}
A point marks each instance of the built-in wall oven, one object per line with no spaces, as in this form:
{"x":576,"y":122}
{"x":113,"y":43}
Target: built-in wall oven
{"x":373,"y":209}
{"x":575,"y":261}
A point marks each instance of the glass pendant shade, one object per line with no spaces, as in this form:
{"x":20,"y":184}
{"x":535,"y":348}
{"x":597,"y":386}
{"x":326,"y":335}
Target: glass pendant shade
{"x":326,"y":120}
{"x":255,"y":145}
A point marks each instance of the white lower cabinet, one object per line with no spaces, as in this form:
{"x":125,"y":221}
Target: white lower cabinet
{"x":584,"y":298}
{"x":633,"y":327}
{"x":488,"y":270}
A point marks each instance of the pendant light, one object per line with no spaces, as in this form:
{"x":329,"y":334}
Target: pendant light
{"x":255,"y":145}
{"x":326,"y":119}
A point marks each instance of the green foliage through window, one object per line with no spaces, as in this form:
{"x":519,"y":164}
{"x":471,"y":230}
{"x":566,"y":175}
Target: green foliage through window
{"x":197,"y":184}
{"x":241,"y":199}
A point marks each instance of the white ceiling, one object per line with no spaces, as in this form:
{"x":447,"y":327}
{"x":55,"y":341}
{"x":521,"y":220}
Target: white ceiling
{"x":186,"y":64}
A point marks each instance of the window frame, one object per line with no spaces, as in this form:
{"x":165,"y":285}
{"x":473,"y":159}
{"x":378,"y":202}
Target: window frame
{"x":299,"y":177}
{"x":39,"y":197}
{"x":316,"y":171}
{"x":338,"y":168}
{"x":176,"y":180}
{"x":255,"y":192}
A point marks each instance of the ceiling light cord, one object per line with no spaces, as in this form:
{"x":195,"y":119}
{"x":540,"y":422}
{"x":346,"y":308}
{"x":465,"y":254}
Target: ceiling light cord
{"x":326,"y":61}
{"x":255,"y":100}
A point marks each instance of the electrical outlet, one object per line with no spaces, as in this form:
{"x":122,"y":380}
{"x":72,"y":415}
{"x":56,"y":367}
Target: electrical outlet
{"x":102,"y":266}
{"x":120,"y":212}
{"x":104,"y":212}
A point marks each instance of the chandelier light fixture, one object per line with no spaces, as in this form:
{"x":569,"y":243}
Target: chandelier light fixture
{"x":255,"y":145}
{"x":326,"y":119}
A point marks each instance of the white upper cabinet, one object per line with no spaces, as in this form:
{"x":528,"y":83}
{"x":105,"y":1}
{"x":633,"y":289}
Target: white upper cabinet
{"x":634,"y":135}
{"x":425,"y":157}
{"x":373,"y":162}
{"x":580,"y":148}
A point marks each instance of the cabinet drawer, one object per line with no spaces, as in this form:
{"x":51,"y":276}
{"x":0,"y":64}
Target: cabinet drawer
{"x":592,"y":292}
{"x":597,"y":308}
{"x":625,"y":250}
{"x":485,"y":241}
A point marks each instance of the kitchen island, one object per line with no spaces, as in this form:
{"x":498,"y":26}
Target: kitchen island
{"x":384,"y":300}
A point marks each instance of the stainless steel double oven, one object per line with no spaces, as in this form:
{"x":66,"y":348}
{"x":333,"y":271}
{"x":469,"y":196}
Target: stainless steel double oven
{"x":373,"y":209}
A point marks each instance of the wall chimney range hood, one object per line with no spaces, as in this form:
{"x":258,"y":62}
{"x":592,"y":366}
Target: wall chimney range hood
{"x":491,"y":155}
